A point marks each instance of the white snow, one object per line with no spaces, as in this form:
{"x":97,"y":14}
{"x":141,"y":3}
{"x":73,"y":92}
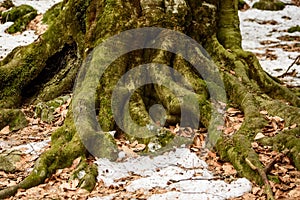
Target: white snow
{"x":181,"y":164}
{"x":33,"y":147}
{"x":40,"y":5}
{"x":253,"y":33}
{"x":9,"y":42}
{"x":179,"y":169}
{"x":203,"y":189}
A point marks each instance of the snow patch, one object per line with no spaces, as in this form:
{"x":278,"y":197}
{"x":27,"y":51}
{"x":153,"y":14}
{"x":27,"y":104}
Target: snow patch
{"x":253,"y":33}
{"x":179,"y":169}
{"x":40,"y":5}
{"x":9,"y":42}
{"x":33,"y":147}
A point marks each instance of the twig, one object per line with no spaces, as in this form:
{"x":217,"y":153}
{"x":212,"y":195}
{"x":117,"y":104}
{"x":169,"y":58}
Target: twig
{"x":263,"y":175}
{"x":277,"y":157}
{"x":268,"y":188}
{"x":195,"y":179}
{"x":285,"y":73}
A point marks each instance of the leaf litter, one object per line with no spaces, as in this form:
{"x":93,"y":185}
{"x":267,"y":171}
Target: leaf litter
{"x":285,"y":183}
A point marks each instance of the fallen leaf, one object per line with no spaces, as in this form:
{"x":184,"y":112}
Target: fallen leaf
{"x":134,"y":143}
{"x":228,"y":169}
{"x":295,"y":192}
{"x":129,"y":152}
{"x":75,"y":163}
{"x":233,"y":111}
{"x":139,"y":147}
{"x":259,"y":136}
{"x":263,"y":112}
{"x":278,"y":119}
{"x":5,"y":130}
{"x":293,"y":126}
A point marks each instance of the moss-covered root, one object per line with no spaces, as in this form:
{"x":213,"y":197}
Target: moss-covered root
{"x":245,"y":160}
{"x":14,"y":118}
{"x":7,"y":4}
{"x":286,"y":140}
{"x":66,"y":146}
{"x":20,"y":15}
{"x":272,"y":5}
{"x":89,"y":179}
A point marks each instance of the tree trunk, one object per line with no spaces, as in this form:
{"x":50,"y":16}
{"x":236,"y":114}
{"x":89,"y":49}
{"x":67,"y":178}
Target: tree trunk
{"x":48,"y":67}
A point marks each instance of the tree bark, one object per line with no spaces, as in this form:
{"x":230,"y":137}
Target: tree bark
{"x":48,"y":67}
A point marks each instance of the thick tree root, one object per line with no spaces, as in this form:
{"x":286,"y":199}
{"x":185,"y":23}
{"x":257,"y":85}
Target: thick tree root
{"x":247,"y":85}
{"x":66,"y":146}
{"x":252,"y":90}
{"x":14,"y":118}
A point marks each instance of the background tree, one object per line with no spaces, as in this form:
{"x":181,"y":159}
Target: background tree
{"x":47,"y":69}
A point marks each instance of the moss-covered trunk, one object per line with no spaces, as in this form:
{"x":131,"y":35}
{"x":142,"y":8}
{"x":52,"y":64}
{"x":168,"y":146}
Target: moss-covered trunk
{"x":48,"y":67}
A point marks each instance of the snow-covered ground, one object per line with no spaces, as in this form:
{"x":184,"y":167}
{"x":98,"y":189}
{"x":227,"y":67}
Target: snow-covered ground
{"x":181,"y":164}
{"x":180,"y":172}
{"x":9,"y":42}
{"x":41,"y":5}
{"x":267,"y":26}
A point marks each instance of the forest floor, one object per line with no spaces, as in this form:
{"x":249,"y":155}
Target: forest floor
{"x":183,"y":172}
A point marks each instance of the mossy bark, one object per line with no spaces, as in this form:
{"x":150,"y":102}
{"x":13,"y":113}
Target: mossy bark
{"x":50,"y":64}
{"x":272,"y":5}
{"x":20,"y":15}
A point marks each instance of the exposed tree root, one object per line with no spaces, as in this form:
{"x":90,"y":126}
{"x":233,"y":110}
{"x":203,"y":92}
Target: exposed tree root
{"x":214,"y":25}
{"x":65,"y":147}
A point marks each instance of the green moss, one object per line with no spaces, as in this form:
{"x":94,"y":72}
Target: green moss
{"x":228,"y":25}
{"x":242,"y":4}
{"x":15,"y":118}
{"x":80,"y":15}
{"x":45,"y":110}
{"x":294,"y":29}
{"x":15,"y":13}
{"x":6,"y":164}
{"x":21,"y":23}
{"x":273,"y":178}
{"x":272,"y":5}
{"x":89,"y":180}
{"x":7,"y":4}
{"x":52,"y":13}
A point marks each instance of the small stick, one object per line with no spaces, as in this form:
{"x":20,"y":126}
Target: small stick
{"x":285,"y":73}
{"x":263,"y":175}
{"x":277,"y":157}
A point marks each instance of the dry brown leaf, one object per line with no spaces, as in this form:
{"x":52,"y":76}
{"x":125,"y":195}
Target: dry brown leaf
{"x":211,"y":154}
{"x":129,"y":152}
{"x":229,"y":131}
{"x":194,"y":149}
{"x":278,"y":119}
{"x":255,"y":189}
{"x":139,"y":147}
{"x":263,"y":112}
{"x":233,"y":111}
{"x":259,"y":136}
{"x":228,"y":169}
{"x":293,"y":126}
{"x":5,"y":130}
{"x":295,"y":193}
{"x":197,"y":142}
{"x":134,"y":143}
{"x":75,"y":163}
{"x":254,"y":145}
{"x":274,"y":125}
